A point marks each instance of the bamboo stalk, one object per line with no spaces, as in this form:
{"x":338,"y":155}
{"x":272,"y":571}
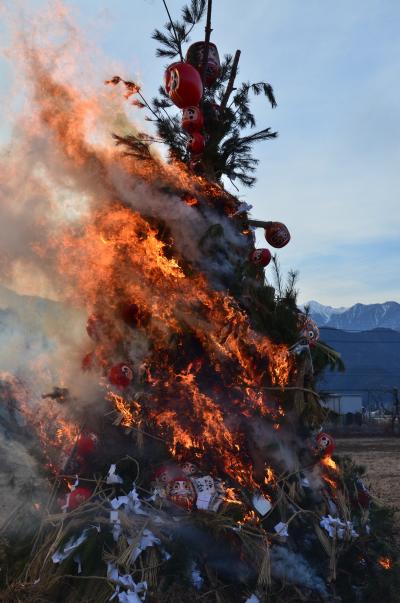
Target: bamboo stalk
{"x":259,"y":223}
{"x":232,"y":78}
{"x":208,"y":31}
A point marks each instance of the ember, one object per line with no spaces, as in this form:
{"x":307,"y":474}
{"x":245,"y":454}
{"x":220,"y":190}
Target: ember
{"x":385,"y":562}
{"x":328,"y":462}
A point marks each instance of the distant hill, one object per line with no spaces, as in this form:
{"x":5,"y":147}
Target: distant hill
{"x":360,"y":317}
{"x":372,"y":360}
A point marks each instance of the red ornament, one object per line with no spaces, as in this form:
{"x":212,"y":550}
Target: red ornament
{"x":78,"y":496}
{"x":86,"y":444}
{"x":192,"y":119}
{"x":196,"y":143}
{"x":325,"y":444}
{"x":195,"y":56}
{"x":183,"y":85}
{"x":181,"y":492}
{"x":308,"y":329}
{"x":277,"y":234}
{"x":189,"y":469}
{"x":260,"y":257}
{"x":121,"y":375}
{"x":164,"y":474}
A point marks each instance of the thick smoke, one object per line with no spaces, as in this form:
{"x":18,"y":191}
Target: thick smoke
{"x":59,"y":171}
{"x":292,"y":567}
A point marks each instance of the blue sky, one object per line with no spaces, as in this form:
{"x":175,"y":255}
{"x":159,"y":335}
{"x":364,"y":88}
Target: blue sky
{"x":333,"y":174}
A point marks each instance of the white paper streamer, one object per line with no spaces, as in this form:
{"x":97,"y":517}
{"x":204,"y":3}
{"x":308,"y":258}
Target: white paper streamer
{"x":197,"y":579}
{"x":282,"y":529}
{"x":338,"y":528}
{"x":242,"y":207}
{"x":64,"y":508}
{"x":71,"y":545}
{"x":148,"y":539}
{"x":261,"y":504}
{"x":135,"y":593}
{"x":112,"y":477}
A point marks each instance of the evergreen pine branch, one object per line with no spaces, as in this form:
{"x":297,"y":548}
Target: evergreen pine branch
{"x":169,"y":42}
{"x":263,"y":87}
{"x":177,"y":32}
{"x":261,"y":135}
{"x":136,"y":145}
{"x":171,"y":28}
{"x":195,"y":12}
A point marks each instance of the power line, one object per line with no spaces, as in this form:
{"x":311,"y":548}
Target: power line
{"x":363,"y":341}
{"x":336,"y":329}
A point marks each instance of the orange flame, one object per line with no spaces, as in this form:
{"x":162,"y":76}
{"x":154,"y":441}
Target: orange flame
{"x":385,"y":562}
{"x":328,"y":462}
{"x":114,"y":254}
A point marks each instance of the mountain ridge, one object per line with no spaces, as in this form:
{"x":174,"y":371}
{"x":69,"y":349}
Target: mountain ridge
{"x":359,"y":317}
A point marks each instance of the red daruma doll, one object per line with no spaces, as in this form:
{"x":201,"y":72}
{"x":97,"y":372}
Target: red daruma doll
{"x":121,"y":375}
{"x":260,"y":257}
{"x":77,"y":497}
{"x":192,"y":119}
{"x":196,"y":143}
{"x":325,"y":444}
{"x":181,"y":492}
{"x":183,"y":85}
{"x":277,"y":234}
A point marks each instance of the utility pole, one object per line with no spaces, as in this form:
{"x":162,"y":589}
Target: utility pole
{"x":396,"y":408}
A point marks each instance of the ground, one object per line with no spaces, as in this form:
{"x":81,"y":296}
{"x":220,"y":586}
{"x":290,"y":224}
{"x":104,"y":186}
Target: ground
{"x":381,"y":457}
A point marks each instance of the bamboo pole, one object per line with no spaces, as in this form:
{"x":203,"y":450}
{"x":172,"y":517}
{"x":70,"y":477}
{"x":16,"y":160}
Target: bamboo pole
{"x":259,"y":223}
{"x":232,"y":78}
{"x":208,"y":31}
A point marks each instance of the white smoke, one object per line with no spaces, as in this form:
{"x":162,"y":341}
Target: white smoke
{"x":292,"y":567}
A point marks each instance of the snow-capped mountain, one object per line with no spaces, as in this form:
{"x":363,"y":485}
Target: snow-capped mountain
{"x":322,"y":314}
{"x":360,"y":317}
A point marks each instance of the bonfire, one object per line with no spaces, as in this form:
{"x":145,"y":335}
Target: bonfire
{"x":177,"y":433}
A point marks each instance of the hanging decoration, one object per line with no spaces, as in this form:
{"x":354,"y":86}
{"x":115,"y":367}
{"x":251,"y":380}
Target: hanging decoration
{"x":325,"y":444}
{"x":260,"y":257}
{"x":183,"y":85}
{"x":309,"y":331}
{"x":192,"y":119}
{"x":121,"y":375}
{"x":195,"y":56}
{"x":196,"y":143}
{"x":277,"y":234}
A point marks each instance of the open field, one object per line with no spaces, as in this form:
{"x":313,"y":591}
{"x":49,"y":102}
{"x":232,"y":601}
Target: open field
{"x":381,"y":457}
